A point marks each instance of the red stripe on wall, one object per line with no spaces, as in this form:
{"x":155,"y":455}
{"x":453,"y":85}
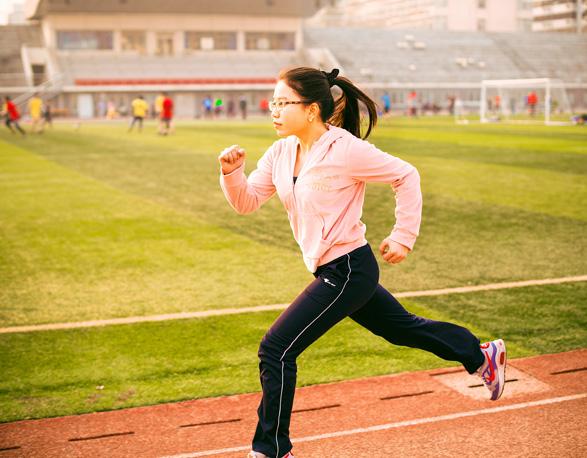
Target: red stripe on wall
{"x":167,"y":81}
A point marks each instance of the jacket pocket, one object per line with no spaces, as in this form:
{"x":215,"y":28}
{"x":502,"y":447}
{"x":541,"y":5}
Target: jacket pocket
{"x":311,"y":227}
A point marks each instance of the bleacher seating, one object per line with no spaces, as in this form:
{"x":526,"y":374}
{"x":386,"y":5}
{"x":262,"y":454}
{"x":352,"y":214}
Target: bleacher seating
{"x":488,"y":55}
{"x":380,"y":55}
{"x":107,"y":67}
{"x":12,"y":38}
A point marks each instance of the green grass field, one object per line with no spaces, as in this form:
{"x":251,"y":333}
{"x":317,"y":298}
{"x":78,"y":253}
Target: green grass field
{"x":97,"y":223}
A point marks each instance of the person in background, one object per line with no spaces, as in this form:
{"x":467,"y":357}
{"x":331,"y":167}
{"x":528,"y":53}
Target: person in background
{"x":532,"y":101}
{"x":218,"y":103}
{"x":102,"y":106}
{"x":242,"y":103}
{"x":10,"y":110}
{"x":207,"y":102}
{"x":413,"y":104}
{"x":166,"y":115}
{"x":451,"y":104}
{"x":111,"y":112}
{"x":139,"y":111}
{"x":158,"y":109}
{"x":386,"y":103}
{"x":264,"y":106}
{"x":47,"y":114}
{"x":159,"y":103}
{"x":230,"y":108}
{"x":36,"y":113}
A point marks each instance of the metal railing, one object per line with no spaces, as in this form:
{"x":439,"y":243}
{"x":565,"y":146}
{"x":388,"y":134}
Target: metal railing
{"x":48,"y":89}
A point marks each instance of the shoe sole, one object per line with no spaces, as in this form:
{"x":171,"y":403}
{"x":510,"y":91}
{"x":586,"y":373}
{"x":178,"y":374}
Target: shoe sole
{"x":501,"y":367}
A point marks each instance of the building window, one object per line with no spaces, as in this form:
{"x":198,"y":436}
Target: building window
{"x":270,"y":40}
{"x":210,"y":40}
{"x":481,"y":25}
{"x":133,"y":40}
{"x":164,"y":44}
{"x":84,"y":39}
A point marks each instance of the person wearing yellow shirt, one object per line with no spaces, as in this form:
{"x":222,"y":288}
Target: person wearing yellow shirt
{"x":159,"y":103}
{"x":139,"y":111}
{"x":36,"y":113}
{"x":159,"y":108}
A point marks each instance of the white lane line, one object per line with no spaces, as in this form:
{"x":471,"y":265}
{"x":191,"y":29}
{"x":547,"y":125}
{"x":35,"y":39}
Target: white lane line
{"x":399,"y":424}
{"x":265,"y":308}
{"x":141,"y":319}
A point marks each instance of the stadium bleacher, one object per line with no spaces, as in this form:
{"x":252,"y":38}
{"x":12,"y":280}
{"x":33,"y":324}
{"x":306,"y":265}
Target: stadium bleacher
{"x":442,"y":63}
{"x":487,"y":55}
{"x":12,"y":37}
{"x":220,"y":65}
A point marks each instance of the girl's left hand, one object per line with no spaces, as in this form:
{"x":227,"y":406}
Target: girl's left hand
{"x":393,"y":252}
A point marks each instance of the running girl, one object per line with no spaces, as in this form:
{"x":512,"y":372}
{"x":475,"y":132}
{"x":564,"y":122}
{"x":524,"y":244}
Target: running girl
{"x":319,"y":170}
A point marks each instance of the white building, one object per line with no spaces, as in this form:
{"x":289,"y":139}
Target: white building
{"x":17,"y":15}
{"x":113,"y":49}
{"x":559,"y":16}
{"x":446,"y":15}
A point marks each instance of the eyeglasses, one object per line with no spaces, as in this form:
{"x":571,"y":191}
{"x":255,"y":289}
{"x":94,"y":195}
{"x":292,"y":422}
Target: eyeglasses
{"x":280,"y":104}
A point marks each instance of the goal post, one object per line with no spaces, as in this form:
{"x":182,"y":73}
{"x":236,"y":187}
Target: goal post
{"x":512,"y":99}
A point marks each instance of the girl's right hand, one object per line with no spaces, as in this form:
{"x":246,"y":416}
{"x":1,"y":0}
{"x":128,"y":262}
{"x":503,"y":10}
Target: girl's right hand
{"x":231,"y":158}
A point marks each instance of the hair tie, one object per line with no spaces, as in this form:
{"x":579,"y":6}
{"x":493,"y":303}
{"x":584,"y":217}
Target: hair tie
{"x":331,"y":76}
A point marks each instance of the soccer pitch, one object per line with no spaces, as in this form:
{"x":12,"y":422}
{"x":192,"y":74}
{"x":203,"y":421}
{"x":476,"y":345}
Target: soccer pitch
{"x":97,"y":223}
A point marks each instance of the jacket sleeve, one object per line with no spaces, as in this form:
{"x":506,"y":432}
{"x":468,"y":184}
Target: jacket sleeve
{"x":247,"y":195}
{"x":369,"y":164}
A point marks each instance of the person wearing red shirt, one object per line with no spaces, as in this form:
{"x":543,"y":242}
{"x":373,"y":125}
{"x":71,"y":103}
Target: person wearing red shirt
{"x":532,"y":102}
{"x":10,"y":110}
{"x":166,"y":115}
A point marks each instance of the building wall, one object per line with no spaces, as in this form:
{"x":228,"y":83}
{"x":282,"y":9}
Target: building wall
{"x":175,"y":24}
{"x":495,"y":16}
{"x":455,"y":15}
{"x":559,"y":16}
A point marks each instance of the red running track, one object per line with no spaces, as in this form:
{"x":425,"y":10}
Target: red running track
{"x":438,"y":413}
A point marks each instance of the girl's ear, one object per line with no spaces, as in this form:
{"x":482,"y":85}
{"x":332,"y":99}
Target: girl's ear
{"x":314,"y":109}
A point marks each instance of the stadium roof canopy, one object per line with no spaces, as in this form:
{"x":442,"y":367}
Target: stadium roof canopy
{"x":37,"y":9}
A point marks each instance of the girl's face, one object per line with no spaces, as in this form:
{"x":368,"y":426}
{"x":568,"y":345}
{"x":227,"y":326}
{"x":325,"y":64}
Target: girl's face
{"x":289,"y":119}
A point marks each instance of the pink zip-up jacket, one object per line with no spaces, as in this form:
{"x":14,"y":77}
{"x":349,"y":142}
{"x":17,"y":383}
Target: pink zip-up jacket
{"x":325,"y":204}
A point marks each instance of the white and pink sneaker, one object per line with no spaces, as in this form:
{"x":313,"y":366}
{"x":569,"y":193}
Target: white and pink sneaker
{"x":260,"y":455}
{"x":492,"y":371}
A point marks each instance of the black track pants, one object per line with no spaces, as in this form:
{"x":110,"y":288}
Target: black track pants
{"x":347,"y":286}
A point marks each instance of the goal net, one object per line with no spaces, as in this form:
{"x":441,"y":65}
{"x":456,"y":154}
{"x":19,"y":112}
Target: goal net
{"x":541,"y":100}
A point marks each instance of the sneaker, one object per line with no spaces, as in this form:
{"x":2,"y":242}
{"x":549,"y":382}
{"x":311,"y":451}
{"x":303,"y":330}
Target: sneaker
{"x":492,"y":371}
{"x":260,"y":455}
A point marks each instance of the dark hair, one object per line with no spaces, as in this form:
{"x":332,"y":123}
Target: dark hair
{"x":314,"y":85}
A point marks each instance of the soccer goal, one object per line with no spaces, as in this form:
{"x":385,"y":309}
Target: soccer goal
{"x":542,"y":100}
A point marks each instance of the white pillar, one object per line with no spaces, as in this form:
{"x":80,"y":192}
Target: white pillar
{"x":178,"y":43}
{"x":151,"y":44}
{"x":116,"y":41}
{"x":26,"y":65}
{"x":240,"y":40}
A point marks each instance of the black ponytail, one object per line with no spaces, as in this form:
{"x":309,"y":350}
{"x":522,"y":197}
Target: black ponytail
{"x":314,"y":86}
